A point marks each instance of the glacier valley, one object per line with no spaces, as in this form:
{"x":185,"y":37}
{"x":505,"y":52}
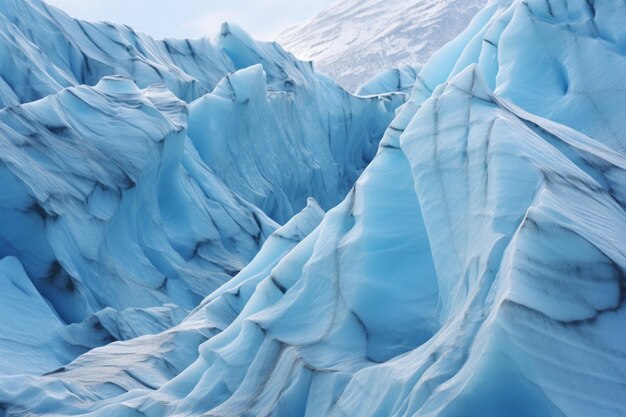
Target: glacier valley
{"x":212,"y":228}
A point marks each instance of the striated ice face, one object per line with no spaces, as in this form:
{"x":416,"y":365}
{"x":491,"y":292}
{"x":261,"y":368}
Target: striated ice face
{"x":123,"y":205}
{"x":475,"y":268}
{"x":47,"y":50}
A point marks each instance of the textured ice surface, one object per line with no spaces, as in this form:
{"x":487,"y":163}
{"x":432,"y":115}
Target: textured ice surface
{"x":400,"y":80}
{"x":476,"y":268}
{"x":125,"y":206}
{"x":255,"y":117}
{"x":353,"y":40}
{"x":45,"y":50}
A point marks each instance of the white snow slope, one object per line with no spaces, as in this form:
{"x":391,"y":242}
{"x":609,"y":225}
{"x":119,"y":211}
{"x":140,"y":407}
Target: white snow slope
{"x":476,"y":268}
{"x":353,"y":40}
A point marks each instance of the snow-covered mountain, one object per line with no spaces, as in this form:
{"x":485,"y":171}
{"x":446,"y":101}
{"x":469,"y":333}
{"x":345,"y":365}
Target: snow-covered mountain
{"x":354,"y":40}
{"x":477,"y":267}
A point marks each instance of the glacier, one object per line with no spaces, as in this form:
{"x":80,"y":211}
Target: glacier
{"x":45,"y":50}
{"x":115,"y":206}
{"x":475,"y":268}
{"x":327,"y":146}
{"x":395,"y":80}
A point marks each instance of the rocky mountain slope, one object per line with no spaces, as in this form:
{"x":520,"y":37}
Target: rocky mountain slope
{"x":354,"y":40}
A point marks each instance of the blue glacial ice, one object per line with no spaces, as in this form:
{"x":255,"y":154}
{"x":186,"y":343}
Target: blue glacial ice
{"x":45,"y":50}
{"x":395,"y":80}
{"x":113,"y":201}
{"x":476,"y":267}
{"x":327,"y":146}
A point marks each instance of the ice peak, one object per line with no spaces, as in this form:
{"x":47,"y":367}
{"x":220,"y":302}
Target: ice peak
{"x":117,"y":84}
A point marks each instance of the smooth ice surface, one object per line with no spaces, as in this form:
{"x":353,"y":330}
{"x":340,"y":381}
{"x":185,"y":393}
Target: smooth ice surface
{"x":26,"y":323}
{"x":476,"y":267}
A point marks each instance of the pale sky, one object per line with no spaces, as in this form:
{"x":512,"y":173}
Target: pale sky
{"x":263,"y":19}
